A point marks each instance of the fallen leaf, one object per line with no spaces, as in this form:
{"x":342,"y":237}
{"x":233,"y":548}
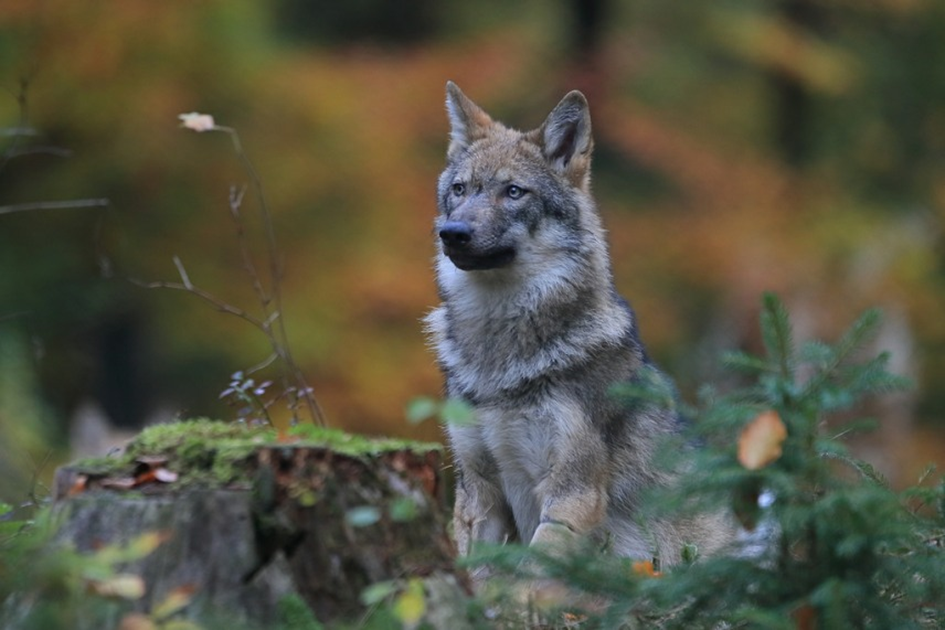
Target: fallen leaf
{"x":79,"y":486}
{"x":760,"y":441}
{"x":119,"y":483}
{"x":152,"y":461}
{"x":145,"y":478}
{"x":165,"y":476}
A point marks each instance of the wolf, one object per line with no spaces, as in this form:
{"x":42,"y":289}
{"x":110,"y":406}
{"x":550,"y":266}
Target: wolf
{"x":532,"y":334}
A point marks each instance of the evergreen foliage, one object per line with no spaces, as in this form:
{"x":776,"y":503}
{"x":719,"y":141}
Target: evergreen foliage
{"x":824,"y":541}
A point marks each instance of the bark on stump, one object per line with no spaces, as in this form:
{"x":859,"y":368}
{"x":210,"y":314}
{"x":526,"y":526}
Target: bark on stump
{"x":306,"y":520}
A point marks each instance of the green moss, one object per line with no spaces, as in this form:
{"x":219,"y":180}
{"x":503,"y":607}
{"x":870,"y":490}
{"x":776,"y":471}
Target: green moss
{"x":356,"y":445}
{"x":213,"y":453}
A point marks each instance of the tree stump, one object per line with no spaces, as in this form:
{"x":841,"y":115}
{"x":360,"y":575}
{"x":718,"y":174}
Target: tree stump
{"x":248,"y":521}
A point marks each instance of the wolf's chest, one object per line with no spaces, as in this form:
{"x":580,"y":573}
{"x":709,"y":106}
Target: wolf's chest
{"x":521,"y":440}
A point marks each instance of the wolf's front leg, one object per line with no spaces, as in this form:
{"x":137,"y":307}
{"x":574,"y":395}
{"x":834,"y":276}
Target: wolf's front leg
{"x":481,"y":513}
{"x":573,"y":496}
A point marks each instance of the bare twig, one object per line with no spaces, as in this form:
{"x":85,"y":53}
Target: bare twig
{"x":12,"y":132}
{"x":270,"y":323}
{"x":236,"y":201}
{"x":189,"y":287}
{"x":279,"y":340}
{"x":39,"y":150}
{"x":54,"y":205}
{"x":262,"y":365}
{"x":22,"y":127}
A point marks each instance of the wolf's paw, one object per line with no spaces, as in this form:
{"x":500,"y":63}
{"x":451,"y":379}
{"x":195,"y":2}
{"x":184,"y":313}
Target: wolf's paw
{"x":555,"y":538}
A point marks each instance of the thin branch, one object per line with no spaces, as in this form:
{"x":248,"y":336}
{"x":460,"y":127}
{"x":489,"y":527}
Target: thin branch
{"x":236,"y":201}
{"x":54,"y":205}
{"x":57,"y":151}
{"x":183,"y":273}
{"x":13,"y":132}
{"x":280,"y":345}
{"x":189,"y":287}
{"x":262,"y":364}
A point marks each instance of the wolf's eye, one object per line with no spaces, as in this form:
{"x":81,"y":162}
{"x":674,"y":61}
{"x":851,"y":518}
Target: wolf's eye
{"x":458,"y":189}
{"x":515,"y":192}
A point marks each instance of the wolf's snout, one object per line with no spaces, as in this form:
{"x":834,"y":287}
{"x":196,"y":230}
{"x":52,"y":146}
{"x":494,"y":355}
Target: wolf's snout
{"x":456,"y":233}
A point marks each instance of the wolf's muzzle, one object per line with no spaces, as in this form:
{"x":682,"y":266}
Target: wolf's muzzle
{"x":456,"y":234}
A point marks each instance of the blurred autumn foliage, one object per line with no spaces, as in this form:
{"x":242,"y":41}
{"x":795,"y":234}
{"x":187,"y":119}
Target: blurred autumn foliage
{"x":796,"y":146}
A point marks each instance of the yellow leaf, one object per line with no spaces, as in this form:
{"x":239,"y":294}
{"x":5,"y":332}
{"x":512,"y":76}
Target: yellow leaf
{"x":174,"y":601}
{"x":410,"y":605}
{"x":136,"y":621}
{"x":760,"y":441}
{"x":123,"y":586}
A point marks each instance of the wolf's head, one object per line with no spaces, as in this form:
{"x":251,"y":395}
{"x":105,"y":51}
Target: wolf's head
{"x":513,"y":198}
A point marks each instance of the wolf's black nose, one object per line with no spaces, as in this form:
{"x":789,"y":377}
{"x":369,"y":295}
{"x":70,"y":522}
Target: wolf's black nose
{"x":456,"y":233}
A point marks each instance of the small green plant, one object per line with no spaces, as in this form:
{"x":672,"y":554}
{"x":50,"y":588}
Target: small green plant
{"x":449,"y":411}
{"x":249,"y":397}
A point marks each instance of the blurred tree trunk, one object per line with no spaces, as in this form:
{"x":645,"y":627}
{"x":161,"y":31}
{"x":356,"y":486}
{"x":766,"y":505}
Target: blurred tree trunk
{"x":792,"y":100}
{"x":588,"y":18}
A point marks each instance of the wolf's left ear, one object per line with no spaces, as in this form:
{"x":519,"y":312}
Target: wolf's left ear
{"x":566,"y":138}
{"x":468,"y":121}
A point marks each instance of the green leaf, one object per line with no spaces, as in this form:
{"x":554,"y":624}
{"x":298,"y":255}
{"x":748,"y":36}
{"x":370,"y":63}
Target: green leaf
{"x":403,"y":509}
{"x":690,"y":553}
{"x":420,"y":409}
{"x":378,"y":592}
{"x":458,"y":412}
{"x":363,"y":516}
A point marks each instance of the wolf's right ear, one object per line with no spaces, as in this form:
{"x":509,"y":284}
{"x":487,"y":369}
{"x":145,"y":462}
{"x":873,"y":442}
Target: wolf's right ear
{"x":468,"y":122}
